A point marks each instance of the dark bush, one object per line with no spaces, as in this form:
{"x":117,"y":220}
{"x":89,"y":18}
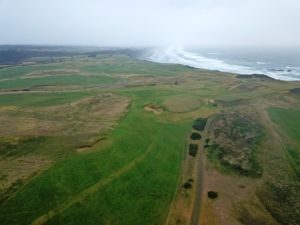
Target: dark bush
{"x":207,"y":140}
{"x":206,"y":146}
{"x":187,"y":185}
{"x":195,"y":136}
{"x":199,"y":124}
{"x":193,"y":148}
{"x":212,"y":194}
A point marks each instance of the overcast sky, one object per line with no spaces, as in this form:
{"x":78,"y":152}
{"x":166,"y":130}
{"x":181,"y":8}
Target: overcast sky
{"x":150,"y":22}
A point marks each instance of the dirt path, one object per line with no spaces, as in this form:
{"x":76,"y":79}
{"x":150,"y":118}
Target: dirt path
{"x":195,"y":217}
{"x":89,"y":191}
{"x":199,"y":188}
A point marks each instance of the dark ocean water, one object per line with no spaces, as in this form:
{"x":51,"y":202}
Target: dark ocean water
{"x":278,"y":63}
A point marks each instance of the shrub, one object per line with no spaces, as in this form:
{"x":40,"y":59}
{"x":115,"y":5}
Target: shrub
{"x":212,"y":194}
{"x":206,"y":146}
{"x":195,"y":136}
{"x":187,"y":185}
{"x":199,"y":124}
{"x":193,"y":148}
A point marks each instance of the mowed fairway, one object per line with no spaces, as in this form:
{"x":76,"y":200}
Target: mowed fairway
{"x":132,"y":181}
{"x":288,"y":120}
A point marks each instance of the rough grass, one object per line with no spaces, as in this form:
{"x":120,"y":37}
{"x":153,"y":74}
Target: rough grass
{"x":21,"y":147}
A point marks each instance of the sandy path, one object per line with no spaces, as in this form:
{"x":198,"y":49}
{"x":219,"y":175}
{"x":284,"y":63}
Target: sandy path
{"x":195,"y":217}
{"x":199,"y":188}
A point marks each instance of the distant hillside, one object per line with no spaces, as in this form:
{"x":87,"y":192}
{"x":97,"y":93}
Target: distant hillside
{"x":16,"y":54}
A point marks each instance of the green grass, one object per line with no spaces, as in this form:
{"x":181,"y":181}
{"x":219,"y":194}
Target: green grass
{"x":41,"y":99}
{"x":288,"y":121}
{"x":56,"y":80}
{"x":140,"y":196}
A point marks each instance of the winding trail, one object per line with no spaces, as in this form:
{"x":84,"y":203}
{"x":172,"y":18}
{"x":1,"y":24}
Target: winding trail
{"x":89,"y":191}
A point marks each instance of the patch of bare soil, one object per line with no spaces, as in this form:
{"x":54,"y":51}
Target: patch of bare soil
{"x":236,"y":196}
{"x":156,"y":109}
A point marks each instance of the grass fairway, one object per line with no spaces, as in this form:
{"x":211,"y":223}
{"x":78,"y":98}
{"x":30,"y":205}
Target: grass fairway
{"x":288,"y":121}
{"x":144,"y":190}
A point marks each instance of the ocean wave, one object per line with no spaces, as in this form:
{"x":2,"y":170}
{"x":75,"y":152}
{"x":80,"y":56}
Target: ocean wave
{"x":176,"y":55}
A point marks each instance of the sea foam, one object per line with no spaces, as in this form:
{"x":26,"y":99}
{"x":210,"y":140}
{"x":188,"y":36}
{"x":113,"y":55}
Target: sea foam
{"x":178,"y":55}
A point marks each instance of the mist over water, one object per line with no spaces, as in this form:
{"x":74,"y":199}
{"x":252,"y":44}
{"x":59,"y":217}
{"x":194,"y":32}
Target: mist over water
{"x":276,"y":63}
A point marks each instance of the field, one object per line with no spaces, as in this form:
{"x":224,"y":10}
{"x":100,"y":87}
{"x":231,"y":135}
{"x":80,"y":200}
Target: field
{"x":104,"y":140}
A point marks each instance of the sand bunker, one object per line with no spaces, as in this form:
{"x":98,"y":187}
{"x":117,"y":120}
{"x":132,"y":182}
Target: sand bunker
{"x":156,"y":109}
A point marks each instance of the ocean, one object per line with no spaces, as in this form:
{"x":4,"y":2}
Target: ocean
{"x":278,"y":63}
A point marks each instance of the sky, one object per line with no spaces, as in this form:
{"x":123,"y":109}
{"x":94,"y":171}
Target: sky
{"x":151,"y":22}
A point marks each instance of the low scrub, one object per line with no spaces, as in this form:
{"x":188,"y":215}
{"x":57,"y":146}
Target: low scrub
{"x":195,"y":136}
{"x":235,"y":140}
{"x":212,"y":194}
{"x":281,"y":200}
